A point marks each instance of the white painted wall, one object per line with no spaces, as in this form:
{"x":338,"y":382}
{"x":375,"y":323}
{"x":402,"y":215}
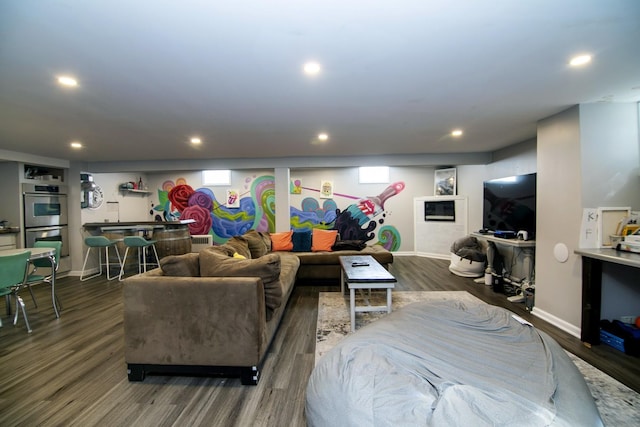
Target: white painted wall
{"x":129,"y":206}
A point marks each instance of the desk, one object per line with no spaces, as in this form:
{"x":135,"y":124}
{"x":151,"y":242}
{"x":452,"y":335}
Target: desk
{"x":38,"y":253}
{"x":364,"y":272}
{"x":528,"y":249}
{"x":592,"y":260}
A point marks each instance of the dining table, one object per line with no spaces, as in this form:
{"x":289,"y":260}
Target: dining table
{"x":39,"y":253}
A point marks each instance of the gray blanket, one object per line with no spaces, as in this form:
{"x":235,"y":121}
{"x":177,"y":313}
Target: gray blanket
{"x":447,"y":363}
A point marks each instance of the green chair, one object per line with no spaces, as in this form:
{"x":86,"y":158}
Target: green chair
{"x":100,"y":242}
{"x":34,"y":278}
{"x":13,"y":276}
{"x":141,"y":245}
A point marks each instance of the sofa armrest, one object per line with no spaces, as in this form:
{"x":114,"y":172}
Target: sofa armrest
{"x":206,"y":321}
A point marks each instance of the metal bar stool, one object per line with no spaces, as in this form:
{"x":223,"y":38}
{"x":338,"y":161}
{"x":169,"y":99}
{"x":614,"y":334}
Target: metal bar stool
{"x":100,"y":242}
{"x":142,"y":245}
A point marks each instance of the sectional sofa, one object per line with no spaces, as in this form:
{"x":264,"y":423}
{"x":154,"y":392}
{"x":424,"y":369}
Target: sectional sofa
{"x":216,"y":312}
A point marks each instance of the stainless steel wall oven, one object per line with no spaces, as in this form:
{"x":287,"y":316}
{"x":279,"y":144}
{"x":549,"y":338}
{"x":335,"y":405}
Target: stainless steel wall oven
{"x":45,"y":214}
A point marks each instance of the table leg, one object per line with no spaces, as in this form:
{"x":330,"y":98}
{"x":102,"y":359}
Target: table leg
{"x":352,"y":308}
{"x":53,"y":285}
{"x":591,"y":300}
{"x":342,"y":282}
{"x":388,"y":300}
{"x":527,"y":266}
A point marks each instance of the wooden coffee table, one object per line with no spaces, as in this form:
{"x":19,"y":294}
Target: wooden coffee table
{"x":364,"y":272}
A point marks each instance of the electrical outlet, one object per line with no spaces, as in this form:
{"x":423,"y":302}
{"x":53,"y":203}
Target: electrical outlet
{"x":627,"y":319}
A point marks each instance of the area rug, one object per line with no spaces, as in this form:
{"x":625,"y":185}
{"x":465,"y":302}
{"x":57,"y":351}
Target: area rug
{"x":617,"y":403}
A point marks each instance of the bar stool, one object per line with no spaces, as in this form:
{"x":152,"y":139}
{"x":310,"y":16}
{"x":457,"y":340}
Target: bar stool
{"x":142,"y":245}
{"x":99,"y":242}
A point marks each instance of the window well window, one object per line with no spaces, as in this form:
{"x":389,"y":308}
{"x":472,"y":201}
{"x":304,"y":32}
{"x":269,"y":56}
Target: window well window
{"x":216,"y":177}
{"x":374,"y":175}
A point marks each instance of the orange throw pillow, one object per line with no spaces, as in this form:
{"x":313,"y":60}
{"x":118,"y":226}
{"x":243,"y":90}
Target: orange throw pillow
{"x":281,"y":241}
{"x":322,"y":240}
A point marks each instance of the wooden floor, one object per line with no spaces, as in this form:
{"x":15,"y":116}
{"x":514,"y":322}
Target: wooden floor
{"x":71,"y":371}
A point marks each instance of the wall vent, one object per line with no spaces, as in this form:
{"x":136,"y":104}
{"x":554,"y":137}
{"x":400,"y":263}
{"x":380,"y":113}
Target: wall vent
{"x":199,"y":242}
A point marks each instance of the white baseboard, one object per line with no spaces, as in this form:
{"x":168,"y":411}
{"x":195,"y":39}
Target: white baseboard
{"x":557,"y":322}
{"x":430,"y":255}
{"x":404,"y":253}
{"x":78,"y":272}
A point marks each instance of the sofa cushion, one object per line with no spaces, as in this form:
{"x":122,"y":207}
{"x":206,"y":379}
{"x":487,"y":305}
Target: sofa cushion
{"x":281,"y":241}
{"x":187,"y":265}
{"x":222,"y":249}
{"x":256,"y":242}
{"x":301,"y":241}
{"x":214,"y":264}
{"x":266,"y":239}
{"x":349,"y":245}
{"x":239,"y":245}
{"x":323,"y":240}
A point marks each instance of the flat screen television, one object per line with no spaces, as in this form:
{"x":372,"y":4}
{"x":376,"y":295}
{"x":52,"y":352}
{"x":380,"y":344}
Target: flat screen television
{"x":510,"y":204}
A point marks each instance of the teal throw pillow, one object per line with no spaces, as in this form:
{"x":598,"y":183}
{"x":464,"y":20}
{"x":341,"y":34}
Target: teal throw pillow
{"x":301,"y":241}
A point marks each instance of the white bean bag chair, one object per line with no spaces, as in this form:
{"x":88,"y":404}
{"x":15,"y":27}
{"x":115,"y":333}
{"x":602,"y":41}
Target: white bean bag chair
{"x":465,"y":267}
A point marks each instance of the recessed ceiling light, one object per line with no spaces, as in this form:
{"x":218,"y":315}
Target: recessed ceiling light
{"x":323,"y":137}
{"x":76,"y":145}
{"x":579,"y":60}
{"x":67,"y":81}
{"x":456,"y":132}
{"x":311,"y":68}
{"x":195,"y":140}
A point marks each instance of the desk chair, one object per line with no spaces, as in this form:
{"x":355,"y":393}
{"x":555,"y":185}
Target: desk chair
{"x":100,"y":242}
{"x":141,"y":245}
{"x":13,"y":276}
{"x":34,"y":278}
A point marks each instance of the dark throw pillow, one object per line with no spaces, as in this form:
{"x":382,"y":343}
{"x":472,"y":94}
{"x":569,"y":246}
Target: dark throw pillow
{"x":301,"y":241}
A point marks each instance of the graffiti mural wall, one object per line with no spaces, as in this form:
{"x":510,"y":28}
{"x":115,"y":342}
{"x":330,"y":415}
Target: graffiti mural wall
{"x":356,"y":217}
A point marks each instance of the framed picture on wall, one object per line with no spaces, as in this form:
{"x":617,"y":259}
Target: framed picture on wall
{"x":445,"y":182}
{"x":326,"y":189}
{"x":233,"y":199}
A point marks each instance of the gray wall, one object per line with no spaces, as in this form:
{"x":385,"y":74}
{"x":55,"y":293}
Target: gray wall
{"x":559,"y":211}
{"x":587,"y":157}
{"x":609,"y":155}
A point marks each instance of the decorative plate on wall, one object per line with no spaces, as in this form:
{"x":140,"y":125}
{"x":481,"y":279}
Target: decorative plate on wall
{"x":97,"y":198}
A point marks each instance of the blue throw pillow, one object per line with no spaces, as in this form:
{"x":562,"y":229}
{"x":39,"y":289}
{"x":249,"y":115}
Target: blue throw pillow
{"x":301,"y":241}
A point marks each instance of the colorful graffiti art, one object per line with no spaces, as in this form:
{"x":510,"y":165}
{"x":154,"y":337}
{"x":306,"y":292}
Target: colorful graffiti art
{"x":358,"y":221}
{"x":256,"y":208}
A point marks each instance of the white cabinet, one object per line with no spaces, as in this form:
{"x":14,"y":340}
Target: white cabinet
{"x":7,"y":241}
{"x":434,"y":234}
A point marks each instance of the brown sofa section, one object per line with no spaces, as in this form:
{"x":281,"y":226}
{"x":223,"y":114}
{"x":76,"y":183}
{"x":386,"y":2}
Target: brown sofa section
{"x":326,"y":265}
{"x":212,"y":314}
{"x":200,"y":325}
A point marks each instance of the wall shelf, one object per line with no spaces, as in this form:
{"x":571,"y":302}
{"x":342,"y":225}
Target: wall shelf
{"x":130,"y":190}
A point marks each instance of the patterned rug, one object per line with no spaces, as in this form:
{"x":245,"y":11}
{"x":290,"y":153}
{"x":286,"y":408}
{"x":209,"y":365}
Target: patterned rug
{"x":617,"y":403}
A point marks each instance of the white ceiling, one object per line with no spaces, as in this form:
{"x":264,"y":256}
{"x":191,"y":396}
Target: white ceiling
{"x":396,"y":77}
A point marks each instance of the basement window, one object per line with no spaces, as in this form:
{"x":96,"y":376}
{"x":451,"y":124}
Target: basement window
{"x":374,"y":174}
{"x":216,"y":177}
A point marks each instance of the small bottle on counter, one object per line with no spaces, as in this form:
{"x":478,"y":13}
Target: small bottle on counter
{"x":140,"y":183}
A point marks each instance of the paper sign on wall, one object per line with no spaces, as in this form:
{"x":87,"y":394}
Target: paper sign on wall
{"x":589,"y":228}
